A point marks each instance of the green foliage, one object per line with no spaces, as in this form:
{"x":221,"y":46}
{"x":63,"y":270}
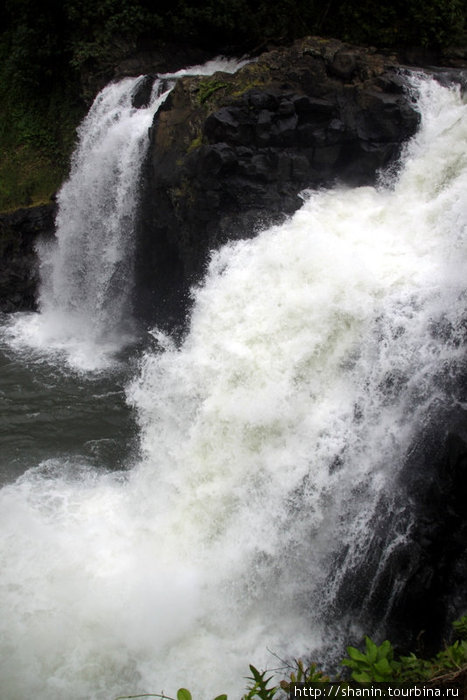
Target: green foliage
{"x":39,"y":110}
{"x":376,"y":664}
{"x":104,"y":32}
{"x":196,"y":143}
{"x":460,"y":627}
{"x":258,"y":688}
{"x":37,"y":136}
{"x":427,"y":23}
{"x":26,"y":178}
{"x":449,"y":660}
{"x":242,"y":22}
{"x":208,"y":87}
{"x":304,"y":674}
{"x":182,"y":694}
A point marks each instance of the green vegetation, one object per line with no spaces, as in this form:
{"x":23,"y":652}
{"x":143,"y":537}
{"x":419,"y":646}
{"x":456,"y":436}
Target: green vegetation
{"x":37,"y":136}
{"x":433,"y":24}
{"x":39,"y":108}
{"x":182,"y":694}
{"x":375,"y":664}
{"x":250,"y":23}
{"x":52,"y":51}
{"x":379,"y":663}
{"x":208,"y":88}
{"x":196,"y":143}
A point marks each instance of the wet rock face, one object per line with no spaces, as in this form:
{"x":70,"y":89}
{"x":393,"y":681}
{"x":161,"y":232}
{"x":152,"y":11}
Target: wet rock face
{"x":411,"y":586}
{"x":142,"y":94}
{"x":230,"y":154}
{"x":19,"y":273}
{"x":434,"y":593}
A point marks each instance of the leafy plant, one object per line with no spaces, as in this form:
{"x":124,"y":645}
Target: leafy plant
{"x":377,"y":664}
{"x":208,"y":88}
{"x":460,"y":627}
{"x":182,"y":694}
{"x":196,"y":143}
{"x":413,"y":669}
{"x":259,"y":687}
{"x":304,"y":674}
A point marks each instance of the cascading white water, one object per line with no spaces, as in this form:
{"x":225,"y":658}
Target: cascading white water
{"x":87,"y":273}
{"x":267,"y":439}
{"x":88,"y":276}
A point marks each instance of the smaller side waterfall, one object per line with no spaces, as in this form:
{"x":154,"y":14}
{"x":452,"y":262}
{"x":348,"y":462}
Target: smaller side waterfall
{"x":87,"y":273}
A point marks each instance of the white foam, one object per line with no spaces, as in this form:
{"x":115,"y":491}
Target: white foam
{"x":218,"y":64}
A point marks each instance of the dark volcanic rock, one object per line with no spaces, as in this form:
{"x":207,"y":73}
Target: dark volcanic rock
{"x":436,"y":554}
{"x":18,"y":260}
{"x":415,"y":568}
{"x":230,"y":154}
{"x":142,"y":93}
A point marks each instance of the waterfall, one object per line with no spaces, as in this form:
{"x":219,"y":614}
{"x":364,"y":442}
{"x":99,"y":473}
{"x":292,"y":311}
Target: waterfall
{"x":268,"y":439}
{"x":87,"y":273}
{"x":87,"y":276}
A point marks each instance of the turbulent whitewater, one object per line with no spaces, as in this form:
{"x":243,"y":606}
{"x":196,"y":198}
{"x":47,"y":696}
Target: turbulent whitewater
{"x":267,"y":440}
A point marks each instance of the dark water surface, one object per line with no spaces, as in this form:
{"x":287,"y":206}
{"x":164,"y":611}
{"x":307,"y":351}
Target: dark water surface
{"x":48,"y":412}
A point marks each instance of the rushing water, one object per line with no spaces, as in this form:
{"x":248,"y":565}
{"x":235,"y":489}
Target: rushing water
{"x":313,"y":359}
{"x":87,"y":272}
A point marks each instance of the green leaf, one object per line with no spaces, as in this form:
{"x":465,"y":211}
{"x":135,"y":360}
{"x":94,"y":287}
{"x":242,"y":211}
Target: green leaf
{"x":460,"y":627}
{"x":257,"y":676}
{"x":183,"y":694}
{"x":221,"y":697}
{"x":355,"y":654}
{"x":372,"y":650}
{"x":361,"y":677}
{"x":382,"y":666}
{"x":385,"y":650}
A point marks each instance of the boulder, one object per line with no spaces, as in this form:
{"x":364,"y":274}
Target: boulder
{"x":19,"y":274}
{"x":231,"y":153}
